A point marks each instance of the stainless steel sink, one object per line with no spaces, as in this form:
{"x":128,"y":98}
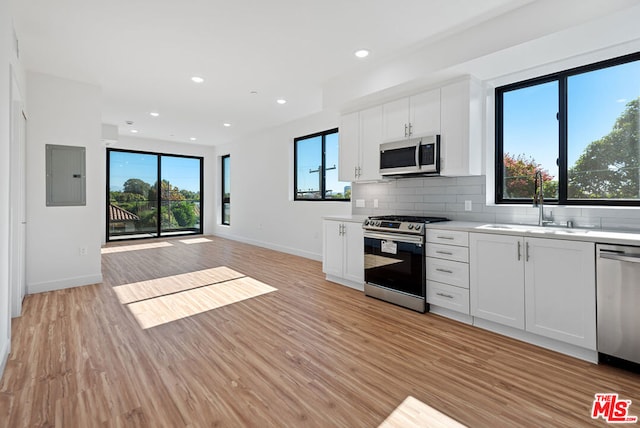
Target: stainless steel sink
{"x":551,"y":230}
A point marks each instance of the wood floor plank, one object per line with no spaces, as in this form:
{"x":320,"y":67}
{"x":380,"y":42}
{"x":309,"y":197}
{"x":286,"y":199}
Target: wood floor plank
{"x":306,"y":353}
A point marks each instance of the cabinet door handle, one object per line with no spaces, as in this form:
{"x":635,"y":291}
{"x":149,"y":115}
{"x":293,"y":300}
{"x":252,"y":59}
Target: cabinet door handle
{"x":410,"y":129}
{"x":526,"y":252}
{"x":448,"y":296}
{"x":450,"y":238}
{"x":447,"y":253}
{"x":406,"y":128}
{"x":519,"y":254}
{"x":444,"y":270}
{"x":359,"y":172}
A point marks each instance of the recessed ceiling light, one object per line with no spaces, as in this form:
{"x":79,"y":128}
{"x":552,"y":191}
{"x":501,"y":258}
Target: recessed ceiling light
{"x":361,"y":53}
{"x":281,"y":101}
{"x":193,"y":138}
{"x":226,"y":124}
{"x":154,"y":114}
{"x":134,"y":131}
{"x":197,"y":79}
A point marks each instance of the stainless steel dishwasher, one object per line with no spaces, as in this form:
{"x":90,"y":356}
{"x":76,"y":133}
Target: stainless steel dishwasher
{"x":618,"y":303}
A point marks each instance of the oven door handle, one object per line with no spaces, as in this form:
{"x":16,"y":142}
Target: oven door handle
{"x":395,"y":237}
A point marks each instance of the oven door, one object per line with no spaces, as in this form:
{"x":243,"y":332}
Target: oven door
{"x":395,"y":261}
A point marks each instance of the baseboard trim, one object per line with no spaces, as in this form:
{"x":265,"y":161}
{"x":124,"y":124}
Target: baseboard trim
{"x":61,"y":284}
{"x":4,"y":353}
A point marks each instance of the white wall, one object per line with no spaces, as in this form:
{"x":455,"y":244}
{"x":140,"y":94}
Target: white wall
{"x":262,"y":208}
{"x":167,"y":147}
{"x":5,"y":112}
{"x":67,"y":113}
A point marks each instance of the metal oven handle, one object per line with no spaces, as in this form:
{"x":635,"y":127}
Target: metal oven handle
{"x":417,"y":239}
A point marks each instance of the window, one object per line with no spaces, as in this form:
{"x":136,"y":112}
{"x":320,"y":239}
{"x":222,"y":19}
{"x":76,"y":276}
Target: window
{"x":580,"y":127}
{"x":316,"y":169}
{"x":151,"y":194}
{"x":226,"y":189}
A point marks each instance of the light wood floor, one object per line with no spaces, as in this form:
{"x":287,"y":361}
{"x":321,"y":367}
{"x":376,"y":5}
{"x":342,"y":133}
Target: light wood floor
{"x":310,"y":353}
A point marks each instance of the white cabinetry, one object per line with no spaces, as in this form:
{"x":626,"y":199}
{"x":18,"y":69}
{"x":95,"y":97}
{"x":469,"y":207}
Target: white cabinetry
{"x":461,"y":129}
{"x":414,"y":116}
{"x":360,"y":138}
{"x":544,"y":286}
{"x":496,"y":270}
{"x":448,"y":269}
{"x":343,"y":252}
{"x":560,"y":290}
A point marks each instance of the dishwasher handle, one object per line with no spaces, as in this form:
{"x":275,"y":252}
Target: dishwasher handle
{"x":620,"y":256}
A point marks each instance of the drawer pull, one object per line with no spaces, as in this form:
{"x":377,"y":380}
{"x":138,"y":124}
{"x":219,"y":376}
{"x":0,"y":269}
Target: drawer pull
{"x":444,"y":252}
{"x":445,"y":237}
{"x":444,"y":270}
{"x":448,"y":296}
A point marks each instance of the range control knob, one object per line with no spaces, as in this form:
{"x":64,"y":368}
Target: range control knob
{"x":378,"y":223}
{"x":418,"y":227}
{"x":366,"y":222}
{"x":410,"y":226}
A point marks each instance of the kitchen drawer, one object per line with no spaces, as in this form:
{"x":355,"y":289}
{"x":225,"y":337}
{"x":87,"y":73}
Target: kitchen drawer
{"x":448,"y":272}
{"x":448,"y":296}
{"x":449,"y":237}
{"x":449,"y":252}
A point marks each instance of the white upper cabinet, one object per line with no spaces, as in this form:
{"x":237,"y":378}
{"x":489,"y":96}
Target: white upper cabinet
{"x":412,"y":117}
{"x":424,"y":113}
{"x":360,"y":138}
{"x":461,"y":129}
{"x":349,"y":146}
{"x":370,"y":139}
{"x":396,"y":120}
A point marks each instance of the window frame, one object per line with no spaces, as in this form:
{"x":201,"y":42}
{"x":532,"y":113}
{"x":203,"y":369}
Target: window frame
{"x":224,"y":200}
{"x":323,"y":186}
{"x":562,"y":78}
{"x":159,"y":232}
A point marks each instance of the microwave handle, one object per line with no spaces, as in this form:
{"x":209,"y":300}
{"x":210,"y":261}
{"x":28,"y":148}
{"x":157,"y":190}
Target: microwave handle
{"x":418,"y":153}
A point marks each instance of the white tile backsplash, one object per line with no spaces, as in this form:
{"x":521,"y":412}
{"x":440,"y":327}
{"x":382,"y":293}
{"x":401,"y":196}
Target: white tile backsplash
{"x":445,"y":196}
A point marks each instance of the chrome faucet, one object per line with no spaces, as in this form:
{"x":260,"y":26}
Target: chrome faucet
{"x":538,"y":198}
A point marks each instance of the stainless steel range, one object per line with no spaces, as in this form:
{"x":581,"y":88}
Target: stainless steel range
{"x":394,"y":259}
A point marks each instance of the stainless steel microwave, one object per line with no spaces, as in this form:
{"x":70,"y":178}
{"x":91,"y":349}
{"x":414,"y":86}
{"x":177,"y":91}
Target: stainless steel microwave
{"x":418,"y":156}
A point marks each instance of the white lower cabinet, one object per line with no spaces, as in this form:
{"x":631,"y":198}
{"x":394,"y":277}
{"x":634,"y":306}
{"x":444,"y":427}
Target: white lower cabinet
{"x":560,"y":290}
{"x":343,"y":252}
{"x":496,"y":270}
{"x":543,"y":286}
{"x":448,"y":269}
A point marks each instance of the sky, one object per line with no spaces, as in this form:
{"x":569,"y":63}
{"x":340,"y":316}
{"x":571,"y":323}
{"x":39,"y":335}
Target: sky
{"x":595,"y":100}
{"x":183,"y":173}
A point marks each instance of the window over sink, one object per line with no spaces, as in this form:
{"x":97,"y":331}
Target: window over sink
{"x":579,"y":127}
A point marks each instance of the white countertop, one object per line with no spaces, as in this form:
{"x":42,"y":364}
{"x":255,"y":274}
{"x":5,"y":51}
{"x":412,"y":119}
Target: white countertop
{"x":576,"y":234}
{"x":349,"y":218}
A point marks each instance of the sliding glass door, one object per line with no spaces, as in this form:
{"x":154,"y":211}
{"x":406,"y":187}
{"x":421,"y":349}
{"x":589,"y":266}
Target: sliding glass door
{"x":152,"y":194}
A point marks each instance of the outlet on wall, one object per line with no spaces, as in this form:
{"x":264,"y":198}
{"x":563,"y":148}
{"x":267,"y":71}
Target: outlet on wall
{"x":467,"y":205}
{"x":82,"y":251}
{"x":375,"y":203}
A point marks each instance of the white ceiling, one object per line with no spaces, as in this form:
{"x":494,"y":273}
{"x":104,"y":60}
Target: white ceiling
{"x":142,"y":53}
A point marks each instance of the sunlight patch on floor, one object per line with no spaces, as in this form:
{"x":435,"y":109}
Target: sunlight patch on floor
{"x":122,"y":248}
{"x":195,"y":241}
{"x":133,"y":292}
{"x":164,"y":309}
{"x":414,"y":413}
